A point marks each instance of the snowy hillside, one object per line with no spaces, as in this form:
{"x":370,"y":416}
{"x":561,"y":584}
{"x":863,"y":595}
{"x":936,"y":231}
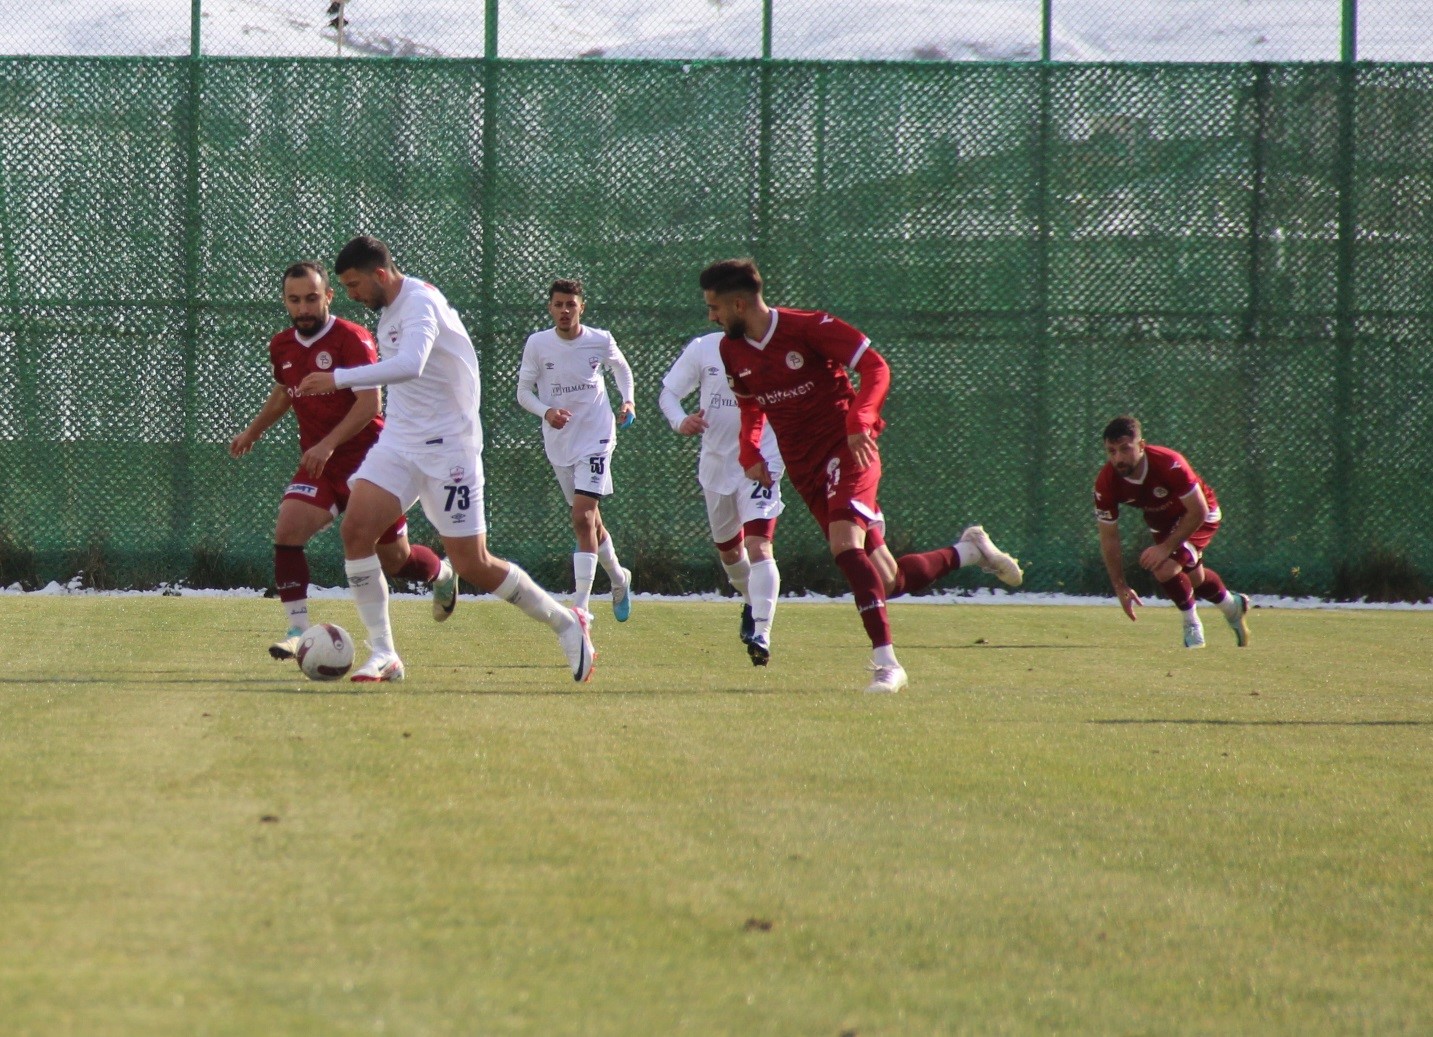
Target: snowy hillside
{"x":941,"y":30}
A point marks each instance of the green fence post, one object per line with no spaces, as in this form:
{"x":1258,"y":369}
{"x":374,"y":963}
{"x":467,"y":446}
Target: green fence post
{"x":487,"y":295}
{"x":1252,"y":361}
{"x":1345,"y":317}
{"x":1038,"y":429}
{"x":181,"y":506}
{"x":1348,"y":50}
{"x":763,"y":146}
{"x":1047,"y":17}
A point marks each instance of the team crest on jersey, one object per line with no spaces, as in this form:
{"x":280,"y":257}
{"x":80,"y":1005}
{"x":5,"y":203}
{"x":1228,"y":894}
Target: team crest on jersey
{"x":1161,"y":492}
{"x":594,"y":362}
{"x":795,"y":360}
{"x":323,"y":360}
{"x":456,"y":473}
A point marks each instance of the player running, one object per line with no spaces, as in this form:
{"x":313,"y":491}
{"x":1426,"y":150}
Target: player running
{"x":1181,"y":511}
{"x":561,"y":381}
{"x":789,"y":367}
{"x":430,"y":449}
{"x":335,"y":431}
{"x":741,"y":512}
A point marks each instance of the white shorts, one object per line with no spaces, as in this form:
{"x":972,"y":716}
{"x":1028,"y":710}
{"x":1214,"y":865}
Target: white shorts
{"x":447,"y":478}
{"x":593,"y":477}
{"x":727,"y":513}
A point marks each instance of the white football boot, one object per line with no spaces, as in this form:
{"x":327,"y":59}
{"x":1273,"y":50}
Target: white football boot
{"x":993,"y":560}
{"x":886,"y":680}
{"x":577,"y":646}
{"x":380,"y":668}
{"x":288,"y":648}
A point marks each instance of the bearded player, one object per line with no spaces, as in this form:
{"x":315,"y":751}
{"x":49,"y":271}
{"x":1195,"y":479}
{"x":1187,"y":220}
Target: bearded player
{"x":335,"y":432}
{"x":789,"y":367}
{"x":1182,"y":514}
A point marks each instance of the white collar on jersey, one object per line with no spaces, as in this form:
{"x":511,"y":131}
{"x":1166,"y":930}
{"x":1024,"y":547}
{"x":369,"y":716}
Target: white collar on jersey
{"x":306,"y":342}
{"x":770,"y":330}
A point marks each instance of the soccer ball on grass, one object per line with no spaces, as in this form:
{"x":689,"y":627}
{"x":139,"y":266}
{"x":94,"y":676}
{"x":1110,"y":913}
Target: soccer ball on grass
{"x":325,"y":652}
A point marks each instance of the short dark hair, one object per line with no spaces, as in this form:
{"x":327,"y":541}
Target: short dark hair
{"x":365,"y":253}
{"x":567,"y":286}
{"x":302,"y":269}
{"x":731,"y":275}
{"x":1126,"y":426}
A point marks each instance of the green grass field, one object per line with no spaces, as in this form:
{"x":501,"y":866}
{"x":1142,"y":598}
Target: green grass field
{"x":1066,"y":825}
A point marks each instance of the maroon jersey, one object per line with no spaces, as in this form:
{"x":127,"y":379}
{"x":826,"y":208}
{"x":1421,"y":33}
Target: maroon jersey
{"x":797,"y":377}
{"x":341,"y":344}
{"x":1167,"y":478}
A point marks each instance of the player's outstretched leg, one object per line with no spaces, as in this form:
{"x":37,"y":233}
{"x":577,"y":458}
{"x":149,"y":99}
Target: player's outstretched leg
{"x":764,"y":584}
{"x":988,"y":557}
{"x":518,"y":588}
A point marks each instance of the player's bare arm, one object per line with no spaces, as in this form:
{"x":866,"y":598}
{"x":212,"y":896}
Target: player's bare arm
{"x":366,"y":404}
{"x":1196,"y":511}
{"x":317,"y":384}
{"x":1113,"y":555}
{"x":275,"y":407}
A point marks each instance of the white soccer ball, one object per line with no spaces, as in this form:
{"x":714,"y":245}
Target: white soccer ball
{"x":325,"y":652}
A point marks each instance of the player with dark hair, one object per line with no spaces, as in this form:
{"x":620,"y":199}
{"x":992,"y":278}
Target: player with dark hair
{"x":560,"y":380}
{"x":335,"y":432}
{"x":741,"y":512}
{"x":430,"y":449}
{"x":789,"y":367}
{"x":1181,"y":512}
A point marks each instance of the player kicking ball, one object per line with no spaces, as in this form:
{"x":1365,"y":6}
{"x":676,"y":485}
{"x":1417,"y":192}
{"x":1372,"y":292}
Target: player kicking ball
{"x":430,"y":449}
{"x":789,"y":367}
{"x":741,"y":512}
{"x":560,"y":380}
{"x":335,"y":432}
{"x":1181,"y":512}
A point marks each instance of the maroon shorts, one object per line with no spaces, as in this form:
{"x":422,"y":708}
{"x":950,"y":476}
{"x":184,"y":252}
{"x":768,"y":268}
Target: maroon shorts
{"x":1190,"y":554}
{"x":330,"y":492}
{"x":842,"y":492}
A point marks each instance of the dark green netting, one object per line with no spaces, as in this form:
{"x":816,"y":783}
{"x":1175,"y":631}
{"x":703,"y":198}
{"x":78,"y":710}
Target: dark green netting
{"x":1238,"y":254}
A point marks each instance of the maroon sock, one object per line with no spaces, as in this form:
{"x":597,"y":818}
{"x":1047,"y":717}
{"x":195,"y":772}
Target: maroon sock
{"x":290,"y":573}
{"x":869,"y":592}
{"x":1179,"y":591}
{"x":919,"y":571}
{"x":423,"y":565}
{"x":1212,"y":589}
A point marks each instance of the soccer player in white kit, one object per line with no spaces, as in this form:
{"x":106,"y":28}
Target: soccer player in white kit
{"x":741,"y":512}
{"x":561,"y":381}
{"x":430,"y":449}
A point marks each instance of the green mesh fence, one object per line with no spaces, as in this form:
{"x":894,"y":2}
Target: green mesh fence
{"x":1236,"y":253}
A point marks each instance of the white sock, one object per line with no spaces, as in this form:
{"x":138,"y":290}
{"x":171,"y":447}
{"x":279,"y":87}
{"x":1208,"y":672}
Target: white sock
{"x":584,"y":568}
{"x":968,"y":554}
{"x":370,"y":594}
{"x":298,"y":614}
{"x":1191,"y":618}
{"x":885,"y":656}
{"x":739,"y":573}
{"x":519,"y":589}
{"x":765,"y":585}
{"x":607,"y":555}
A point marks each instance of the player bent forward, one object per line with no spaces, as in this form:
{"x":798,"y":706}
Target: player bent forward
{"x":335,"y":432}
{"x":560,"y":380}
{"x":741,"y":512}
{"x":430,"y":449}
{"x":789,"y":367}
{"x":1181,"y":511}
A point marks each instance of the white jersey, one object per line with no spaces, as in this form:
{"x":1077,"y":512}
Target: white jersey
{"x":430,"y":367}
{"x":700,"y":367}
{"x":567,"y":373}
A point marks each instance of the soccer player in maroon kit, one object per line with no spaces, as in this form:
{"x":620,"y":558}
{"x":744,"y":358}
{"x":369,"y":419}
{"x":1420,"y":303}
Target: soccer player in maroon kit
{"x":1183,"y":514}
{"x":335,"y":432}
{"x":789,"y":367}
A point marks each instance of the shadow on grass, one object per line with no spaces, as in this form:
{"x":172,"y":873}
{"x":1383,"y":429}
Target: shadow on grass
{"x":1271,"y":723}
